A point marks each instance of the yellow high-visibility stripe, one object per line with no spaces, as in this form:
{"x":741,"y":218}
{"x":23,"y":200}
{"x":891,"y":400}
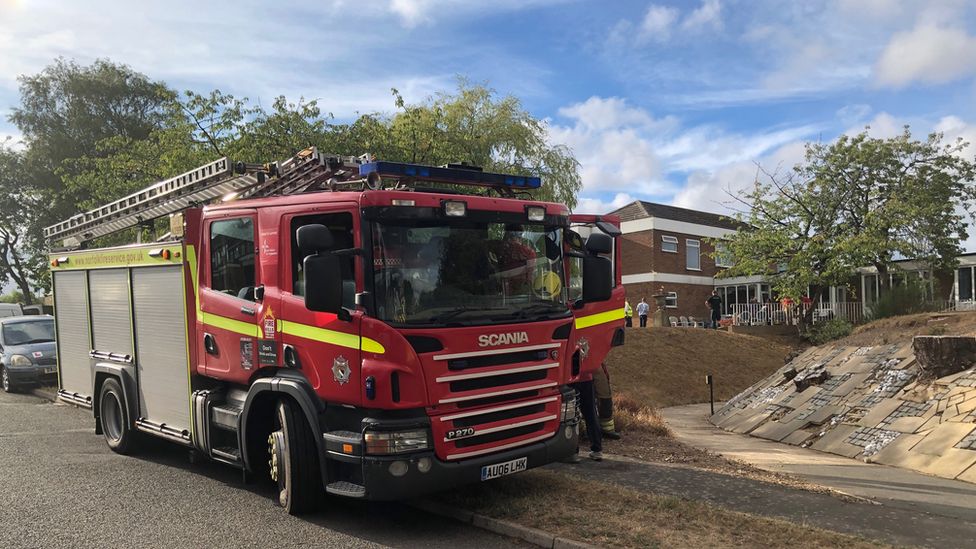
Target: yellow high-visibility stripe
{"x":333,"y":337}
{"x":599,"y":318}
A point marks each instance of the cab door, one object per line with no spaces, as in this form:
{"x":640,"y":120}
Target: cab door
{"x":230,"y":297}
{"x":596,"y":323}
{"x":327,"y":348}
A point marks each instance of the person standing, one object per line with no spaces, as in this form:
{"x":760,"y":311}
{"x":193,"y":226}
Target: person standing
{"x":604,"y":403}
{"x":714,"y":302}
{"x":628,"y":314}
{"x":587,"y":404}
{"x":642,"y":309}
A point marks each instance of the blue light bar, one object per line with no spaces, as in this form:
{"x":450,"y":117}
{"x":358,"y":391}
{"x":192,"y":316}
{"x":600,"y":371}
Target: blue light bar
{"x":397,"y":170}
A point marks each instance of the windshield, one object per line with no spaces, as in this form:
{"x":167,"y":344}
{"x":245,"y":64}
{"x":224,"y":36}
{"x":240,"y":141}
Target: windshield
{"x":23,"y":333}
{"x":436,"y":272}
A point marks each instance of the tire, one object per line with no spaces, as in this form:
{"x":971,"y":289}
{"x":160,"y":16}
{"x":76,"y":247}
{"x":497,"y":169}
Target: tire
{"x":113,"y":416}
{"x":294,"y":461}
{"x":8,"y":385}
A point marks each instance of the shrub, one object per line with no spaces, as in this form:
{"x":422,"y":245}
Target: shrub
{"x":904,"y":299}
{"x":835,"y":328}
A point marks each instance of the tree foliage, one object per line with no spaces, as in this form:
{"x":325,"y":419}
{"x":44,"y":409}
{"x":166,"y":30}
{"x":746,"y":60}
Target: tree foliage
{"x":858,"y":201}
{"x":96,"y":133}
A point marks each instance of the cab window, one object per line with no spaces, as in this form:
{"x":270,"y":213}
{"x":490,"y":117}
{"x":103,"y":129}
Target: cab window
{"x":340,"y":225}
{"x":232,"y":257}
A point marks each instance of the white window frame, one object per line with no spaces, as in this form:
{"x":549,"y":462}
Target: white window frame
{"x":667,"y":239}
{"x":722,"y":254}
{"x":688,"y":247}
{"x":671,"y":301}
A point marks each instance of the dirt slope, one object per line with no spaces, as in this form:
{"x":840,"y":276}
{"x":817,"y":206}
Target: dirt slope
{"x":898,"y":328}
{"x":667,"y":366}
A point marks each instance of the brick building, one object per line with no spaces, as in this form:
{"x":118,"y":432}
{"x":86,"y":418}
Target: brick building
{"x":667,"y":248}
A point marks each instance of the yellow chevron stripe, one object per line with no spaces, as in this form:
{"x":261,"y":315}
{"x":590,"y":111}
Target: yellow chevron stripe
{"x":333,"y":337}
{"x":599,"y":318}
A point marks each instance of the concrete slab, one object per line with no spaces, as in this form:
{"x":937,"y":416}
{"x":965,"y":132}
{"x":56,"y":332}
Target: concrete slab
{"x":802,"y":398}
{"x":907,"y":424}
{"x":798,"y":437}
{"x":894,"y":453}
{"x":824,"y":414}
{"x":775,"y":430}
{"x":930,"y":423}
{"x":879,"y":412}
{"x":952,"y":463}
{"x":845,"y":388}
{"x":833,"y":441}
{"x":969,"y":475}
{"x":746,"y":423}
{"x":943,"y":437}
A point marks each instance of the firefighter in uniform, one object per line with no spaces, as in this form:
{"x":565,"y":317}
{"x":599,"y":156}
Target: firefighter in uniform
{"x":604,"y":402}
{"x":628,"y":314}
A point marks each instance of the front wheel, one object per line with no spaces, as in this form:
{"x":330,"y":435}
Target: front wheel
{"x":114,"y":418}
{"x":8,"y":385}
{"x":293,"y":461}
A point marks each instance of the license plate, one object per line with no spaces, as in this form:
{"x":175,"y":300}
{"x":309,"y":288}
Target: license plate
{"x":496,"y":470}
{"x":49,"y":370}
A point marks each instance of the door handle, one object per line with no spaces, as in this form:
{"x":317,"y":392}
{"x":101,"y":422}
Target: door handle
{"x":247,"y":310}
{"x":210,"y":344}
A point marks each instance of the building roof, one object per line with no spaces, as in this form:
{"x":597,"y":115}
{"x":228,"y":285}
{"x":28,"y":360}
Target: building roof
{"x":640,"y":209}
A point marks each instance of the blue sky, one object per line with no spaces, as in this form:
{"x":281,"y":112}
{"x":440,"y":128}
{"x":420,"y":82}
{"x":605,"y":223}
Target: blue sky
{"x":666,"y":101}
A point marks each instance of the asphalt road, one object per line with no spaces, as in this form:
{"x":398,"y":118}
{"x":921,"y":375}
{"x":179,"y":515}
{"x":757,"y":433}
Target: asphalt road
{"x":63,"y":487}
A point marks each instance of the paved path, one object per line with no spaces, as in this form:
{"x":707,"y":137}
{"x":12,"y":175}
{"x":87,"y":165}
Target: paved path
{"x":890,"y":486}
{"x":62,"y":487}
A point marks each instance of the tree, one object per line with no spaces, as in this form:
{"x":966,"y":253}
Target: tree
{"x":855,"y":202}
{"x":19,"y":210}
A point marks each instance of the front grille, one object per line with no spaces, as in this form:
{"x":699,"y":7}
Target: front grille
{"x":462,"y":422}
{"x":496,"y":399}
{"x":495,"y":360}
{"x":499,"y":435}
{"x":497,"y":381}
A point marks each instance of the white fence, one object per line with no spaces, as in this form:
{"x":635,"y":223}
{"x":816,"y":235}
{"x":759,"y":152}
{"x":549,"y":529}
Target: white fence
{"x":759,"y":314}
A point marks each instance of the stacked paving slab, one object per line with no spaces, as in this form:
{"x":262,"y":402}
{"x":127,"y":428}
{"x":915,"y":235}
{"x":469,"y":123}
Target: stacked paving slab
{"x":870,"y":403}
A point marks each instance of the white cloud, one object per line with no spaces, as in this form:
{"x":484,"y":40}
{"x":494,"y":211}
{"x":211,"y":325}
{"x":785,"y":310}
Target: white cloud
{"x":928,"y":54}
{"x":707,"y":16}
{"x":710,"y":190}
{"x":589,"y":205}
{"x":658,"y":22}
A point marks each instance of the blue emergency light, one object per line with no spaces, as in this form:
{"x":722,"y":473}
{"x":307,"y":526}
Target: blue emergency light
{"x":459,"y":176}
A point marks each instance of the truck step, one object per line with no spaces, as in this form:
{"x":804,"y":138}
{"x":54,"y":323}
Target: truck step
{"x":231,"y":455}
{"x":346,"y":489}
{"x":225,"y":416}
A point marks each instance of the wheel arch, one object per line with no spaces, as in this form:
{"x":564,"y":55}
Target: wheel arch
{"x":125,"y":374}
{"x":257,"y":414}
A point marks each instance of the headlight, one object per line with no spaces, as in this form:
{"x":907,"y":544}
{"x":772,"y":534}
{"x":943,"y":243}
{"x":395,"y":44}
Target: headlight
{"x":536,"y":213}
{"x":569,"y":410}
{"x":455,"y":208}
{"x":20,"y":361}
{"x":395,"y":442}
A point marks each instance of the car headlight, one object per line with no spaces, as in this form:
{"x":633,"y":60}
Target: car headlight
{"x":396,"y":442}
{"x":20,"y":361}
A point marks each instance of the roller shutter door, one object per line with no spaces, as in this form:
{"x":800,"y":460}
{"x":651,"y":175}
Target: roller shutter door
{"x":111,"y":323}
{"x":74,"y":338}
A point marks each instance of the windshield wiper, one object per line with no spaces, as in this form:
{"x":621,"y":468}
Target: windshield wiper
{"x":36,"y":340}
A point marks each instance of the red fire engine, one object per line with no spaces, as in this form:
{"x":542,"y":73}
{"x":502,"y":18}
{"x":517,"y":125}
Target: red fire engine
{"x":334,"y":324}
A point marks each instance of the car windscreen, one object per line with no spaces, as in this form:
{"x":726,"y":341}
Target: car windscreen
{"x":24,"y":333}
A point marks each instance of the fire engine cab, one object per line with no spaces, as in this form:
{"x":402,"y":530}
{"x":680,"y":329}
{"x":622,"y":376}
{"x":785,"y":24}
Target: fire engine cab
{"x":338,"y":324}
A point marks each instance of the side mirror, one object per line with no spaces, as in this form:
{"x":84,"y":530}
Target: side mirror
{"x":323,"y":282}
{"x":597,"y":278}
{"x":599,"y":243}
{"x":552,"y":249}
{"x":313,"y":239}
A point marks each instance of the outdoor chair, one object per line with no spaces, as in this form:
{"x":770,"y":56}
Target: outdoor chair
{"x":683,"y":322}
{"x":695,"y":323}
{"x":673,"y":320}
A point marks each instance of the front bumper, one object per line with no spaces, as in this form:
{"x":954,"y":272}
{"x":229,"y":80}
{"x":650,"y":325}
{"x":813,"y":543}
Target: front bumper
{"x":32,"y":375}
{"x":381,"y":485}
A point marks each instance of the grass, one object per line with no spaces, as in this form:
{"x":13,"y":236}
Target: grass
{"x":660,"y":367}
{"x":613,"y":516}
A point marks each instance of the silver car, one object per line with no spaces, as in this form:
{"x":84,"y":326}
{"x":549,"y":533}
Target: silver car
{"x":28,"y":355}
